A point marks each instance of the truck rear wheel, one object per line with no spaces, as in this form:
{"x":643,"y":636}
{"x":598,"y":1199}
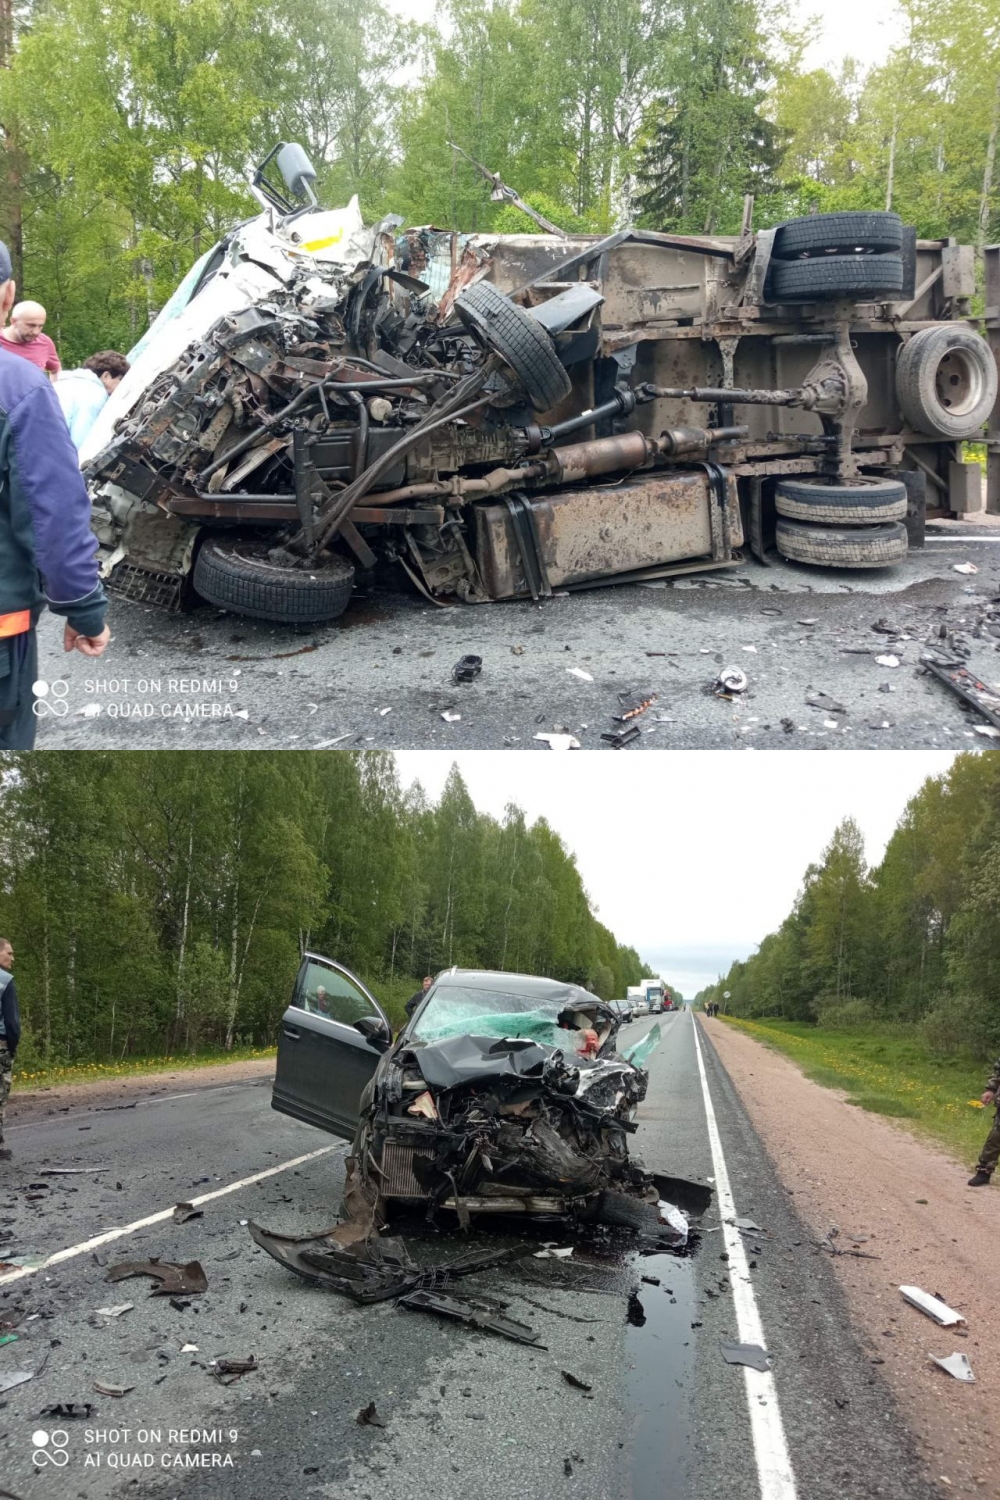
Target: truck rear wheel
{"x":860,"y":277}
{"x":827,"y":504}
{"x":237,"y":574}
{"x":946,"y":381}
{"x":842,"y":547}
{"x":839,"y":234}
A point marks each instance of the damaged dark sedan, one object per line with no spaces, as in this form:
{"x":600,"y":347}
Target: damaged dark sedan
{"x":504,"y":1094}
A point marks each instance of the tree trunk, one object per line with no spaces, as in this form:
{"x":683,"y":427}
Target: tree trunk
{"x":991,"y":152}
{"x":891,"y":180}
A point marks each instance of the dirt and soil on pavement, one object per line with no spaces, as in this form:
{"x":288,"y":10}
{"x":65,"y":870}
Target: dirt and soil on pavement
{"x":908,"y":1204}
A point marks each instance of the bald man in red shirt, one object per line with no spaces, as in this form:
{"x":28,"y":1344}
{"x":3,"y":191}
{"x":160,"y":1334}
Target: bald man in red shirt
{"x":25,"y":337}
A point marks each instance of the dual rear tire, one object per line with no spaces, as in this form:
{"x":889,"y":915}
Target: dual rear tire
{"x":855,"y":525}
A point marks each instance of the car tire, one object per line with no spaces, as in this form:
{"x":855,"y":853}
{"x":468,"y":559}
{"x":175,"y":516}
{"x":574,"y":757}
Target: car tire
{"x":946,"y":381}
{"x":520,"y":340}
{"x":238,"y":575}
{"x":839,"y":234}
{"x":827,"y":504}
{"x":859,"y":277}
{"x":879,"y":546}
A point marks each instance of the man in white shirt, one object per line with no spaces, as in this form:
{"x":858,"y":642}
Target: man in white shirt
{"x":83,"y":392}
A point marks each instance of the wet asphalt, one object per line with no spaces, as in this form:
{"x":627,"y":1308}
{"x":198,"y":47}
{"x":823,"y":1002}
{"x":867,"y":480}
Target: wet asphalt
{"x":466,"y":1414}
{"x":381,"y":677}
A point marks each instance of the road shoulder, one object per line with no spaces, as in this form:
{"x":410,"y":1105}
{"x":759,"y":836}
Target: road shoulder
{"x":30,"y":1104}
{"x":869,"y":1177}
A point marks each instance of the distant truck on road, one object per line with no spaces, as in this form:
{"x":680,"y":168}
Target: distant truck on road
{"x":647,"y":996}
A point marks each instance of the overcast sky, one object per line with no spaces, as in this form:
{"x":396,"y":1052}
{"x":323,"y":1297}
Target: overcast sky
{"x":862,"y":29}
{"x":691,"y":856}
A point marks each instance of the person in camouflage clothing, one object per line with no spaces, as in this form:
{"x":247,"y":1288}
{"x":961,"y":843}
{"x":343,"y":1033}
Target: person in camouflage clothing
{"x":990,"y":1154}
{"x":10,"y":1031}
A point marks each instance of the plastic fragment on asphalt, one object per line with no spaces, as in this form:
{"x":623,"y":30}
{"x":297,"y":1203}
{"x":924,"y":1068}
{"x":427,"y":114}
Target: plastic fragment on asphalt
{"x":368,"y":1416}
{"x":746,"y":1354}
{"x":575,"y":1381}
{"x":559,"y":741}
{"x":112,"y":1390}
{"x":932,"y":1306}
{"x":69,"y":1171}
{"x":325,"y":744}
{"x":675,"y":1220}
{"x":887,"y":661}
{"x":187,"y":1280}
{"x":476,"y":1314}
{"x":115,"y":1312}
{"x":185,"y":1211}
{"x":449,"y":717}
{"x":579,"y":672}
{"x":190,"y":1349}
{"x":68,"y":1411}
{"x":748,"y":1224}
{"x":228,"y":1371}
{"x":467,"y":668}
{"x":8,"y":1338}
{"x":553,"y":1252}
{"x":965,"y":567}
{"x":730,"y":680}
{"x":988,"y":730}
{"x":15,"y":1377}
{"x":957,"y":1365}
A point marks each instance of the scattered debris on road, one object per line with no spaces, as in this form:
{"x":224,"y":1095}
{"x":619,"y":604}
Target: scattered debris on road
{"x":187,"y":1280}
{"x":184,"y":1211}
{"x":68,"y":1411}
{"x":729,"y":681}
{"x":619,"y":738}
{"x":104,"y":1389}
{"x":932,"y":1306}
{"x":575,"y":1381}
{"x":476,"y":1313}
{"x":467,"y":669}
{"x":228,"y":1371}
{"x":559,"y":741}
{"x":957,"y":1365}
{"x":961,"y":681}
{"x":114,"y":1312}
{"x":368,"y":1416}
{"x":746,"y":1354}
{"x":70,"y":1171}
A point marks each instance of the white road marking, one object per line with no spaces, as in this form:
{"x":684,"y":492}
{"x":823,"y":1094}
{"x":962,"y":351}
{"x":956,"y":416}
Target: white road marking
{"x":107,"y":1109}
{"x":774,"y":1467}
{"x":116,"y":1234}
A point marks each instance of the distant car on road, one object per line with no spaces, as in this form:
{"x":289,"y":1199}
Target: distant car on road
{"x":624,"y":1009}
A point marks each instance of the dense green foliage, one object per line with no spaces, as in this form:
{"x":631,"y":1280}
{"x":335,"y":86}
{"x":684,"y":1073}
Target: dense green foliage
{"x":130,"y":126}
{"x":914,"y":941}
{"x":159,"y":901}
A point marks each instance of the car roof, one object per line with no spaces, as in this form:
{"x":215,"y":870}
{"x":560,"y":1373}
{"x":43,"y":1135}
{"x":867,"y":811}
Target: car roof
{"x":511,"y":984}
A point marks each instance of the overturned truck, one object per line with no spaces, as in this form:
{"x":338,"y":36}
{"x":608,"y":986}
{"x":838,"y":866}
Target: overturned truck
{"x":501,"y":417}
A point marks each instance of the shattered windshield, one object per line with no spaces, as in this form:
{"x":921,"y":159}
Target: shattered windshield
{"x":454,"y":1010}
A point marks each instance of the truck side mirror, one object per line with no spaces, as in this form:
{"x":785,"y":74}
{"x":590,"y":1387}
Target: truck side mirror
{"x":297,"y":171}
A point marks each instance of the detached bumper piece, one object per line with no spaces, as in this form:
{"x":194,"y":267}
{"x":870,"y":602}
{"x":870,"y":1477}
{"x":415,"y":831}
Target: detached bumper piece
{"x":475,"y":1314}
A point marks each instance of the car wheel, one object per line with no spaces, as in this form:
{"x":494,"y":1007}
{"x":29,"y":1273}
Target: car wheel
{"x":845,"y":547}
{"x":839,"y":234}
{"x":946,"y":381}
{"x":239,"y":575}
{"x":855,"y":276}
{"x":520,"y":340}
{"x":831,"y":504}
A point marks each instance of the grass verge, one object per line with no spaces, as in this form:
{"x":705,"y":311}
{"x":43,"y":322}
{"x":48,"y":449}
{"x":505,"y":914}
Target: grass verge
{"x":40,"y":1076}
{"x":890,"y":1072}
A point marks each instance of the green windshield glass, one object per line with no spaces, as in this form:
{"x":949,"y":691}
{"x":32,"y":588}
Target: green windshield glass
{"x":457,"y":1010}
{"x":644,"y":1047}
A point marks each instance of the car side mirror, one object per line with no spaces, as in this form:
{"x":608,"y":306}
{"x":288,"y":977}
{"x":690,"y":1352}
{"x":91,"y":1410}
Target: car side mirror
{"x":374,"y":1031}
{"x":297,"y":171}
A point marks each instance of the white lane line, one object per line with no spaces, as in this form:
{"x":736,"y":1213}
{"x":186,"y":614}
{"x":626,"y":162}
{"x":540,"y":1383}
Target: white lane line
{"x":116,"y":1234}
{"x":107,"y":1109}
{"x":774,"y":1467}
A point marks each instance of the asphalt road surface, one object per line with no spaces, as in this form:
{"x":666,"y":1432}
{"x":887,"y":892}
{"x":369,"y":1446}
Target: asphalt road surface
{"x":382,"y":676}
{"x":466,"y":1413}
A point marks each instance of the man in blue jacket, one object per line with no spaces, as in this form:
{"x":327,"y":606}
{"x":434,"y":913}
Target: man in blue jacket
{"x":10,"y":1031}
{"x":47,"y":549}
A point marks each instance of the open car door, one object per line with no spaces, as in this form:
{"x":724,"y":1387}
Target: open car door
{"x":324,"y":1061}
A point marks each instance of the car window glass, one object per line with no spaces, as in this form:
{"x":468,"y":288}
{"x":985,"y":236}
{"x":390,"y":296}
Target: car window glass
{"x":326,"y":992}
{"x":454,"y":1009}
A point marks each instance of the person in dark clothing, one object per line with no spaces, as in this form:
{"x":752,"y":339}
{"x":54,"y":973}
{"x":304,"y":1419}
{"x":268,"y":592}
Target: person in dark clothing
{"x":10,"y":1031}
{"x":990,"y":1154}
{"x":47,"y":549}
{"x":415,"y":1000}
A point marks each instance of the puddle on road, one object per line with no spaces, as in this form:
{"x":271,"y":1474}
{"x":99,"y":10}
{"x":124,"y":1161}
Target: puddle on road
{"x":659,"y":1366}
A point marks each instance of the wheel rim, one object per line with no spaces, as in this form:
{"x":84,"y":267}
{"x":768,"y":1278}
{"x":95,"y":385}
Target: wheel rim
{"x":959,"y":382}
